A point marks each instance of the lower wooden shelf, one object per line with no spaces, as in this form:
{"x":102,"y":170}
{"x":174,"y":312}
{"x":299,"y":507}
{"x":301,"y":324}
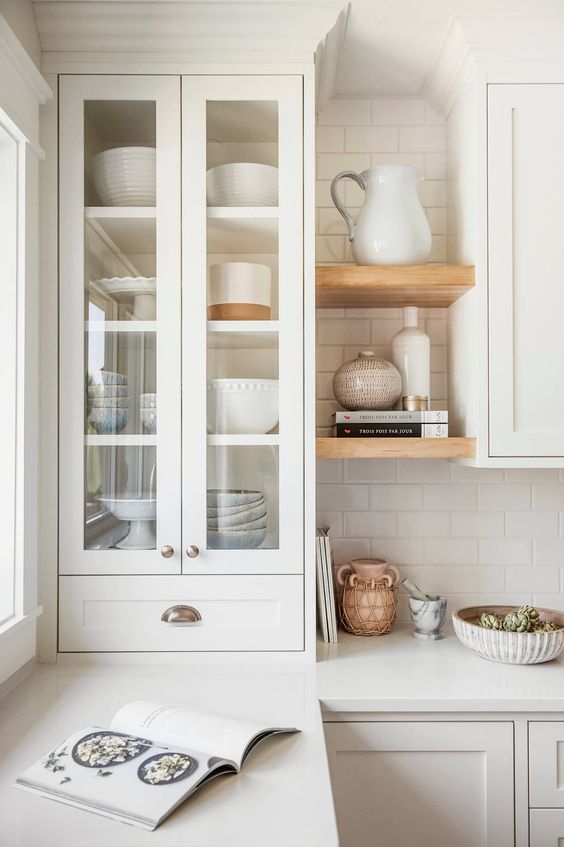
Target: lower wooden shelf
{"x":396,"y":448}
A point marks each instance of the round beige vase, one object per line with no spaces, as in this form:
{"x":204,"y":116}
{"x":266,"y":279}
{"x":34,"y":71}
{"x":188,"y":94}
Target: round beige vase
{"x":367,"y":383}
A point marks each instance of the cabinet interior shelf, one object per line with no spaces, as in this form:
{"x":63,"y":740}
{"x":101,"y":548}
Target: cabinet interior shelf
{"x":242,"y":229}
{"x":120,"y":326}
{"x":243,"y":335}
{"x":391,"y":286}
{"x":396,"y":448}
{"x":243,"y":440}
{"x":124,"y":229}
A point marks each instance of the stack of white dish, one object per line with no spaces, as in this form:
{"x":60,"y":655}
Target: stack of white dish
{"x":108,"y":403}
{"x":242,"y":184}
{"x":125,"y":176}
{"x":236,"y":519}
{"x":148,"y":413}
{"x":242,"y":406}
{"x":239,"y":291}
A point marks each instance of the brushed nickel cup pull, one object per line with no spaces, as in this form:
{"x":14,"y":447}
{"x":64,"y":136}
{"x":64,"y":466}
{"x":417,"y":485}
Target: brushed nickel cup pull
{"x":192,"y":551}
{"x":167,"y":551}
{"x":181,"y":615}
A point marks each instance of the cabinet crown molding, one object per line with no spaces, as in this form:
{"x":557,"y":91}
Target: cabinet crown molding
{"x":219,"y":30}
{"x":472,"y":42}
{"x":26,"y":69}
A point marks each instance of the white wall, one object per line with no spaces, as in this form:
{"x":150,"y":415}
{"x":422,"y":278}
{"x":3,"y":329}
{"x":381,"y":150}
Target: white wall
{"x":21,"y":19}
{"x":477,"y":536}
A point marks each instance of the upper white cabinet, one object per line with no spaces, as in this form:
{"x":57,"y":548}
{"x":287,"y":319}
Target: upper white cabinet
{"x":506,"y":204}
{"x":181,"y":360}
{"x":526,"y":258}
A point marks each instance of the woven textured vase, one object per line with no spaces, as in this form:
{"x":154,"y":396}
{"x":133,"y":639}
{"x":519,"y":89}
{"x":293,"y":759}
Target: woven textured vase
{"x":367,"y":383}
{"x":368,"y":607}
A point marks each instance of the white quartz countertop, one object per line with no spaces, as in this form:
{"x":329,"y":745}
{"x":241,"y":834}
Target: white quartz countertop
{"x":398,"y":673}
{"x":281,"y":798}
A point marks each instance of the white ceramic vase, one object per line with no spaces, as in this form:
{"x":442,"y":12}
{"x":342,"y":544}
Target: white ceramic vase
{"x":391,"y":228}
{"x":367,"y":383}
{"x":411,"y":354}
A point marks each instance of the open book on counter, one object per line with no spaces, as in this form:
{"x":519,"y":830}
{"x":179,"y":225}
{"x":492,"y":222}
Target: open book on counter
{"x":149,"y":759}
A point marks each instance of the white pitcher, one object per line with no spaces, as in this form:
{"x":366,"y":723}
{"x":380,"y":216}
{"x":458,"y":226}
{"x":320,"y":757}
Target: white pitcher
{"x":391,"y":228}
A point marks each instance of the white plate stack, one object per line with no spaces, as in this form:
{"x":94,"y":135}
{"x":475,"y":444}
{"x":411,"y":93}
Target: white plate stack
{"x":125,"y":176}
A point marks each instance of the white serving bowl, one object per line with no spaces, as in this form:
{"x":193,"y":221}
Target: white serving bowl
{"x":225,"y":539}
{"x":511,"y":648}
{"x":242,"y":406}
{"x":125,"y":176}
{"x":242,"y":184}
{"x":141,"y":512}
{"x":240,"y":520}
{"x":226,"y":498}
{"x":113,"y":378}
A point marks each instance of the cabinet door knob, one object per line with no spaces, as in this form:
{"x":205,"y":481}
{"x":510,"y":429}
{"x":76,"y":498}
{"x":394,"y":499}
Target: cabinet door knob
{"x":181,"y":615}
{"x":192,"y":551}
{"x":167,"y":551}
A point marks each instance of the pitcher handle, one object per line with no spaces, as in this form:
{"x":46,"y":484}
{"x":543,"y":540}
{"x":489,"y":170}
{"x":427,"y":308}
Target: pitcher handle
{"x":343,"y":571}
{"x":341,"y":208}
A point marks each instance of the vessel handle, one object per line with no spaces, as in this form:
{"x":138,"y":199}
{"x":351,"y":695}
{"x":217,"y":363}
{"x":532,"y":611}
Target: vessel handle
{"x":341,"y":208}
{"x":343,"y":572}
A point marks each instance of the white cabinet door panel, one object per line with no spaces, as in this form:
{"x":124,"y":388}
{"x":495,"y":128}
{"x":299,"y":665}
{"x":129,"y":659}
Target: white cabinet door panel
{"x":422,"y":784}
{"x":526,"y":269}
{"x":547,"y":828}
{"x":546,"y":763}
{"x":124,"y":613}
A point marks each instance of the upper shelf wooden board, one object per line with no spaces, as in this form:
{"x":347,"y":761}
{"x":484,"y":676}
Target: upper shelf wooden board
{"x":389,"y":286}
{"x":396,"y":448}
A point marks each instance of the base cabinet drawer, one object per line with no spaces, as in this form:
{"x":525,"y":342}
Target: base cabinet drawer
{"x":546,"y":828}
{"x":118,"y":614}
{"x":546,"y":764}
{"x":422,"y":784}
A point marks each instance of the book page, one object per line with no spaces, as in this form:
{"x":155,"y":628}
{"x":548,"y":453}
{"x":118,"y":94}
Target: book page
{"x":227,"y":738}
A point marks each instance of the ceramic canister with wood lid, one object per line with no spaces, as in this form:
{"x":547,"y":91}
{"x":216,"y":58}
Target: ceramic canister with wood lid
{"x":239,"y":291}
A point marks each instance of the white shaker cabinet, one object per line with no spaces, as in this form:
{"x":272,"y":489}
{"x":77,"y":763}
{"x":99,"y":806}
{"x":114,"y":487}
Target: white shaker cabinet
{"x":155,"y":470}
{"x":526,"y":265}
{"x":546,"y":828}
{"x":422,"y":783}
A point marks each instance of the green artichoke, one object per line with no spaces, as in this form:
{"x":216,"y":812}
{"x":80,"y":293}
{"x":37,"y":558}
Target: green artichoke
{"x":517,"y":622}
{"x":531,"y":612}
{"x":548,"y":626}
{"x":489,"y":620}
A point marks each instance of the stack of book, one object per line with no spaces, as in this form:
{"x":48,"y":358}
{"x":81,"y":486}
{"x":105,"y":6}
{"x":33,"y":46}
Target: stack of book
{"x":326,"y":611}
{"x":390,"y":424}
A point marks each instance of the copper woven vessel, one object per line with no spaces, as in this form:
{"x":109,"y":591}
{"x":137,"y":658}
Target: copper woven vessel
{"x":368,"y":606}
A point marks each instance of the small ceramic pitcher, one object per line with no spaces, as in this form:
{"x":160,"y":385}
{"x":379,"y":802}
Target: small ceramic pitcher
{"x":368,"y":569}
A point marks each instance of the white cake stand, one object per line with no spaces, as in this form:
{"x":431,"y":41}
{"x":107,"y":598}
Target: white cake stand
{"x":141,"y":513}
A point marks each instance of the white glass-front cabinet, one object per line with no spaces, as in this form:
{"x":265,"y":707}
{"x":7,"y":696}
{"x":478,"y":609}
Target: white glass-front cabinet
{"x":181,"y":372}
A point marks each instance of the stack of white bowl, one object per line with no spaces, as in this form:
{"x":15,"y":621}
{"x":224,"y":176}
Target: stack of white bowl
{"x":148,"y":413}
{"x":125,"y":176}
{"x":242,"y":184}
{"x":108,"y":403}
{"x":236,"y":519}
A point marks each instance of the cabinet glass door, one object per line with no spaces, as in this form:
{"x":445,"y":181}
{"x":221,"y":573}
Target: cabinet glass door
{"x":120,"y":306}
{"x":243,"y":313}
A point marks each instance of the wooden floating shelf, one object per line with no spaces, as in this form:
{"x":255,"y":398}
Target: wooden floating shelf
{"x":390,"y":286}
{"x":396,"y":448}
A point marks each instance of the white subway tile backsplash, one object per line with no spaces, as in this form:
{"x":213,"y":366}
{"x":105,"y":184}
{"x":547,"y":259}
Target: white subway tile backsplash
{"x":369,"y":524}
{"x":396,"y":497}
{"x":398,"y":111}
{"x":451,"y":551}
{"x":377,"y":139}
{"x":477,"y":524}
{"x":448,"y":497}
{"x":504,"y":497}
{"x":345,"y":112}
{"x":423,"y":524}
{"x":422,"y":139}
{"x":531,"y":524}
{"x":533,"y":579}
{"x":475,"y":535}
{"x":505,"y":551}
{"x":329,"y":139}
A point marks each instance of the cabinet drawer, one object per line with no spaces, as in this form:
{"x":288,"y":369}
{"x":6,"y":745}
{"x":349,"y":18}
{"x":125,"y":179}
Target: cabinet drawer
{"x":124,"y":613}
{"x":546,"y":764}
{"x":546,"y":827}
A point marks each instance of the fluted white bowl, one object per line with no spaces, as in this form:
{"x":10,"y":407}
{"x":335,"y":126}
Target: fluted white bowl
{"x":511,"y":648}
{"x":242,"y":184}
{"x":242,"y":406}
